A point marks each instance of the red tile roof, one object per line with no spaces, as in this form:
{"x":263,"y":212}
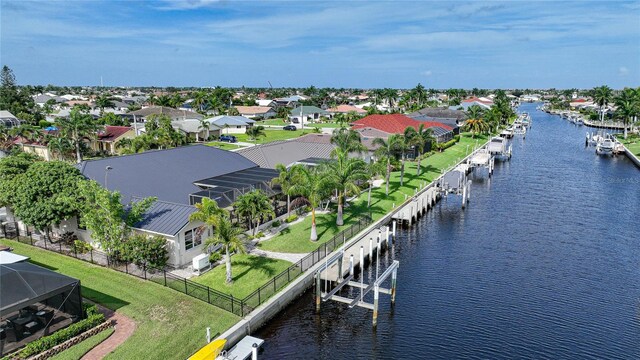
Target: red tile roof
{"x":346,"y":109}
{"x":394,"y":123}
{"x":111,"y":133}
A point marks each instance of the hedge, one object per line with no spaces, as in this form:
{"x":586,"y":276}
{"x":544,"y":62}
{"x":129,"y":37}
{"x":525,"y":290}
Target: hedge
{"x":94,"y":318}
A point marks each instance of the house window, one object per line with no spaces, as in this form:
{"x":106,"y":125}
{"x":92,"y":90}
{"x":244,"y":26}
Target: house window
{"x":192,"y":238}
{"x":239,"y":127}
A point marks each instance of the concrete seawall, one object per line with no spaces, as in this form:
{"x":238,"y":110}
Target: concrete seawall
{"x":631,"y":156}
{"x":295,"y":289}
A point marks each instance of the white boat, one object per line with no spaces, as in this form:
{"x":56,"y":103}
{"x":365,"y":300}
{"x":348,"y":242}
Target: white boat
{"x":605,"y":146}
{"x":519,"y":128}
{"x":579,"y":120}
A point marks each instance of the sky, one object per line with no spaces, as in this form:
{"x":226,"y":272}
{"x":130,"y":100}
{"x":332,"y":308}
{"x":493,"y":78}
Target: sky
{"x":360,"y":44}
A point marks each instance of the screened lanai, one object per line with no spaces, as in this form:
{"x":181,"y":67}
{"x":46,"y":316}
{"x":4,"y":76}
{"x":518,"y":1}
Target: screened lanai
{"x":35,"y":302}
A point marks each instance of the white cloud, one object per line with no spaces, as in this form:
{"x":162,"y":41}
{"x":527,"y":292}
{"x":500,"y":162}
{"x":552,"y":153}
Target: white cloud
{"x":186,"y":4}
{"x":426,"y":73}
{"x":623,"y":71}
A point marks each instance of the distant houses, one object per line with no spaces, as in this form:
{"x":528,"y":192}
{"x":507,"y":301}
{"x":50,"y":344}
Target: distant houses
{"x":303,"y":115}
{"x":231,"y":124}
{"x":345,"y":109}
{"x":256,"y":112}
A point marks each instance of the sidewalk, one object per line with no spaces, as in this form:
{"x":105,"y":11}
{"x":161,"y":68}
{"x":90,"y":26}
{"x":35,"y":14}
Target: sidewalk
{"x":123,"y":329}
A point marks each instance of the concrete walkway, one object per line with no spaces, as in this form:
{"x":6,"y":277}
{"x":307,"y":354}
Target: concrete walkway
{"x":291,"y":257}
{"x":123,"y":329}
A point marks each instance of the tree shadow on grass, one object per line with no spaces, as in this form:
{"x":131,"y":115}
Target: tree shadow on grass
{"x":101,"y":298}
{"x":262,"y":264}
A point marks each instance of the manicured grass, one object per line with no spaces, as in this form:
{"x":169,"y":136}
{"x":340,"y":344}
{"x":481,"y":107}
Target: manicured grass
{"x":170,"y":325}
{"x":295,"y":239}
{"x":249,"y":273}
{"x":224,"y":145}
{"x":279,"y":122}
{"x":632,"y":143}
{"x":77,"y":351}
{"x":272,"y":135}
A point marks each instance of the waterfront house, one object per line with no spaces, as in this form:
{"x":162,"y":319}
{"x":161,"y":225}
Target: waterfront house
{"x":397,"y":123}
{"x":256,"y":112}
{"x":450,"y":117}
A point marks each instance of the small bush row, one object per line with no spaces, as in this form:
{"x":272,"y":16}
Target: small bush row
{"x":94,"y":318}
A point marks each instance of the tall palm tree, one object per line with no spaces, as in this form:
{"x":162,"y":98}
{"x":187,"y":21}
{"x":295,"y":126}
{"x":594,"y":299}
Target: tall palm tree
{"x":207,"y":212}
{"x":229,"y":236}
{"x":602,"y":95}
{"x":343,"y":174}
{"x":387,"y":149}
{"x":286,"y":178}
{"x":626,"y":104}
{"x":419,"y":138}
{"x":78,"y":126}
{"x":373,"y":169}
{"x":474,"y":112}
{"x":311,"y":185}
{"x":199,"y":100}
{"x":60,"y":146}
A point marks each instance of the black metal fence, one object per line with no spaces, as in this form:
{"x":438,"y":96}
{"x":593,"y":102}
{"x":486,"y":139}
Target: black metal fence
{"x":163,"y":277}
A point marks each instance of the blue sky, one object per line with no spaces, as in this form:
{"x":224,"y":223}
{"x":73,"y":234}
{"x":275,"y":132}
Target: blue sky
{"x":537,"y":44}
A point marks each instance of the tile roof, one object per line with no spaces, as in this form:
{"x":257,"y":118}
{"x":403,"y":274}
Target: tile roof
{"x":394,"y":123}
{"x":346,"y":109}
{"x":111,"y":133}
{"x":253,"y":109}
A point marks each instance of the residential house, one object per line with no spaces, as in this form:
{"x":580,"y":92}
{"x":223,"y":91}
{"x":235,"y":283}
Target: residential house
{"x":256,"y":112}
{"x":179,"y":178}
{"x":172,"y":113}
{"x":465,"y":104}
{"x":397,"y":123}
{"x":345,"y":109}
{"x":266,"y":103}
{"x":107,"y":139}
{"x":453,"y":118}
{"x":7,"y":119}
{"x":303,"y":115}
{"x":194,"y":130}
{"x":231,"y":124}
{"x":289,"y":152}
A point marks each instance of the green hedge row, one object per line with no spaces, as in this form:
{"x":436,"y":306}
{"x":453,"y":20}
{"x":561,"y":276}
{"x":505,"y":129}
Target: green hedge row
{"x":94,"y":318}
{"x":449,"y":143}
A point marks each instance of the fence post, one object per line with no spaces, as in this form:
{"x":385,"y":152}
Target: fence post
{"x":60,"y":246}
{"x":185,"y":286}
{"x":144,"y":268}
{"x":126,"y":268}
{"x":242,"y":307}
{"x":75,"y":251}
{"x":91,"y":253}
{"x":288,"y":276}
{"x":31,"y":237}
{"x":209,"y":297}
{"x":259,"y":302}
{"x":232,"y":301}
{"x":164,"y":271}
{"x":274,"y":285}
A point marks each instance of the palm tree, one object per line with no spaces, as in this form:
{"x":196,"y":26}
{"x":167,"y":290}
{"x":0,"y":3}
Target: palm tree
{"x":78,"y":126}
{"x":387,"y":149}
{"x":602,"y":95}
{"x":229,"y":236}
{"x":204,"y":125}
{"x":347,"y":140}
{"x":476,"y":126}
{"x":283,"y":112}
{"x":402,"y":146}
{"x":60,"y":146}
{"x":344,"y":174}
{"x":199,"y":100}
{"x":286,"y":178}
{"x":255,"y":132}
{"x":474,"y":112}
{"x":104,"y":101}
{"x":207,"y":212}
{"x":254,"y":206}
{"x":626,"y":104}
{"x":233,"y":111}
{"x":373,"y":169}
{"x":419,"y":138}
{"x":312,"y":188}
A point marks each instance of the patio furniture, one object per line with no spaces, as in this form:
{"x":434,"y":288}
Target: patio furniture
{"x":31,"y":327}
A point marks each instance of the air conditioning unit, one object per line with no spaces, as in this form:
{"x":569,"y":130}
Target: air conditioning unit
{"x":200,"y":263}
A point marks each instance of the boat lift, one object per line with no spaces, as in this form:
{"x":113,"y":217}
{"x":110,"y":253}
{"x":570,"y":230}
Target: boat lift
{"x":341,"y":281}
{"x":457,"y":182}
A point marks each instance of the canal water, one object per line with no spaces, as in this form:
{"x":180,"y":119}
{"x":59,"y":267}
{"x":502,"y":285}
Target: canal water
{"x":543,"y":264}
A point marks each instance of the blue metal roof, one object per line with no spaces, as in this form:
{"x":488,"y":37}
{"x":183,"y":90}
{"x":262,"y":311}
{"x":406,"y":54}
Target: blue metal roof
{"x":166,"y":218}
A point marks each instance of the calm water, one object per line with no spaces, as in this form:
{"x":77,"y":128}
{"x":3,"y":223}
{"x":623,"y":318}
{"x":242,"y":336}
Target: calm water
{"x":543,"y":264}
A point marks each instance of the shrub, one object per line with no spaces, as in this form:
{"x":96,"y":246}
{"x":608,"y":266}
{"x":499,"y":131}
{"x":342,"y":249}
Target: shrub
{"x":259,"y":235}
{"x":291,"y":219}
{"x":215,"y":257}
{"x":94,"y":318}
{"x":44,"y":124}
{"x":276,"y":223}
{"x":81,"y":247}
{"x":456,"y":137}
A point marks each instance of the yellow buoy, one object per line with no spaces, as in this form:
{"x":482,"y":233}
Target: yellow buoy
{"x":209,"y":351}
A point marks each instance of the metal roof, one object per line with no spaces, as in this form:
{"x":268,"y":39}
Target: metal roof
{"x":166,"y":174}
{"x":165,"y":218}
{"x":222,"y":120}
{"x":285,"y":152}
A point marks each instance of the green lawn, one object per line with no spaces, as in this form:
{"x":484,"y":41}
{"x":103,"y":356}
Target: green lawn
{"x":632,"y":143}
{"x":77,"y":351}
{"x":273,"y":135}
{"x":170,"y":325}
{"x":279,"y":122}
{"x":295,"y":239}
{"x":249,"y":273}
{"x":224,"y":145}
